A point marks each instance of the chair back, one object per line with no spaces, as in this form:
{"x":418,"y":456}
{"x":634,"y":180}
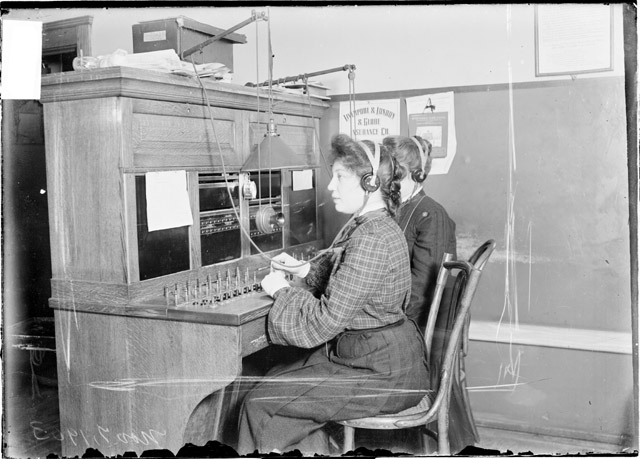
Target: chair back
{"x":464,"y":289}
{"x":467,"y":276}
{"x":478,"y":259}
{"x":482,"y":254}
{"x":441,"y":283}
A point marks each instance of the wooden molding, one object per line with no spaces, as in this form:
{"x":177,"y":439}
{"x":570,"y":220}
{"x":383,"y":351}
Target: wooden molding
{"x":160,"y":86}
{"x":548,"y":336}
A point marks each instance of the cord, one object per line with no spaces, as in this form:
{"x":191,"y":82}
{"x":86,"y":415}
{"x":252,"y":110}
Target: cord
{"x":352,"y":102}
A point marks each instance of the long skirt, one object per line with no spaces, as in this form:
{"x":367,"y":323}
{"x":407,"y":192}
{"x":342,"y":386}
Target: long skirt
{"x":360,"y":373}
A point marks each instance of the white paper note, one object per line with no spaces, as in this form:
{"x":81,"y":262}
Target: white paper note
{"x":302,"y":180}
{"x":21,"y":59}
{"x":167,"y":200}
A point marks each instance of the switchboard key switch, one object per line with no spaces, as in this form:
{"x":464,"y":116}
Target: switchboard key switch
{"x":166,"y":294}
{"x":198,"y":292}
{"x":209,"y":282}
{"x":176,"y":294}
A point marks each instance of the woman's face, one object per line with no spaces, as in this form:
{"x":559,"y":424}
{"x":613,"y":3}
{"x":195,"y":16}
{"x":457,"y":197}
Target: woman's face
{"x":346,"y":192}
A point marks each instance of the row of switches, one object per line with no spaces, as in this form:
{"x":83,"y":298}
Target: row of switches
{"x":212,"y":292}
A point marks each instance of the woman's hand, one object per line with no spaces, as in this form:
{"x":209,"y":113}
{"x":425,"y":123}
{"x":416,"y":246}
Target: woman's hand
{"x":285,"y":262}
{"x":273,"y":282}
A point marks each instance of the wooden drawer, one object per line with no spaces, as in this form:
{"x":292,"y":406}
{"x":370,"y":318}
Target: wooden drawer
{"x":254,"y":336}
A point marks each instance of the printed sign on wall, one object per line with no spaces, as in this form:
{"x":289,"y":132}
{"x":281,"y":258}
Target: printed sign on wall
{"x":370,"y":119}
{"x":432,"y":117}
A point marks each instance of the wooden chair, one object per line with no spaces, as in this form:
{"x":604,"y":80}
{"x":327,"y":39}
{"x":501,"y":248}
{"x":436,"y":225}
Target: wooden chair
{"x":435,"y":406}
{"x":478,"y":260}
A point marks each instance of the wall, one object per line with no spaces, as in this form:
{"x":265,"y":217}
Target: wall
{"x":394,"y":47}
{"x":541,"y":167}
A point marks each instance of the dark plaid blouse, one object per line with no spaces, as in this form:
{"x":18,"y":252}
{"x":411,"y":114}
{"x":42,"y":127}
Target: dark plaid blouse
{"x":364,"y":283}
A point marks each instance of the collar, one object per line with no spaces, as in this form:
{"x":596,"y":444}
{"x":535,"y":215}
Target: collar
{"x":415,"y":199}
{"x":371,"y":215}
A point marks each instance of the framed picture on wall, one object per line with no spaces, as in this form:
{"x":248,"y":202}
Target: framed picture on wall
{"x":573,"y":38}
{"x":433,"y":127}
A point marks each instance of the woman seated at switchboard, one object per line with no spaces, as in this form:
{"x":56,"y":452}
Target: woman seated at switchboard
{"x":365,"y":357}
{"x":430,"y":233}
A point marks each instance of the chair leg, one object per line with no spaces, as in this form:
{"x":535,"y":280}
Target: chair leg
{"x":348,"y":445}
{"x":465,"y":397}
{"x":429,"y":441}
{"x":444,"y":448}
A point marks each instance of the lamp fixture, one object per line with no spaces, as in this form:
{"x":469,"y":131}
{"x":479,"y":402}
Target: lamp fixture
{"x":273,"y":153}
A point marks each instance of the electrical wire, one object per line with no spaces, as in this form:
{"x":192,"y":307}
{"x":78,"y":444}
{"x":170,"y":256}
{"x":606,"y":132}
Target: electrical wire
{"x":315,"y":131}
{"x":352,"y":103}
{"x":258,"y":119}
{"x":270,"y":92}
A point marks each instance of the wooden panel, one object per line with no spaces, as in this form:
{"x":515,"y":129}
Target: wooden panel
{"x":195,"y":256}
{"x":168,"y":141}
{"x":559,"y":337}
{"x":145,"y":84}
{"x":130,"y":384}
{"x":86,"y":191}
{"x":73,"y":34}
{"x":254,"y":336}
{"x":95,"y":292}
{"x":551,"y":391}
{"x":131,"y":236}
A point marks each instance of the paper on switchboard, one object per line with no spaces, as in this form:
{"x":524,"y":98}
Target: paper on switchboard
{"x":167,"y":200}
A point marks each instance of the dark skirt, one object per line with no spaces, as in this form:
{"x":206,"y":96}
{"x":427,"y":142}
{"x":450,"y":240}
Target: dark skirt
{"x":360,"y":373}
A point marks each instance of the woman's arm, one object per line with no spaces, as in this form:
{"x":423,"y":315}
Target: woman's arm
{"x":298,"y":318}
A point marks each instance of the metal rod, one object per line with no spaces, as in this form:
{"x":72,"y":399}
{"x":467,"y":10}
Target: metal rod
{"x":254,"y":17}
{"x":303,"y":76}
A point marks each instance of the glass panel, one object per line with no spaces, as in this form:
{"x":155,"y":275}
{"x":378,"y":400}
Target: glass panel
{"x":159,"y":252}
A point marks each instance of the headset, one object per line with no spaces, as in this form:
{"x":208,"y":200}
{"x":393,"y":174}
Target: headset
{"x":419,"y":175}
{"x":370,"y":181}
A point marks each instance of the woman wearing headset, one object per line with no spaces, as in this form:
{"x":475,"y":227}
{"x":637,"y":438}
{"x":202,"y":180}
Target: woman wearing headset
{"x":430,"y":233}
{"x":363,"y":352}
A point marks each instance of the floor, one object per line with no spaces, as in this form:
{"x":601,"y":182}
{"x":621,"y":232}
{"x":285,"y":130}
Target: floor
{"x":32,"y":420}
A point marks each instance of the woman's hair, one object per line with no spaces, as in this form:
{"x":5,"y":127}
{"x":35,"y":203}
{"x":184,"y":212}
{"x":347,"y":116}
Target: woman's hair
{"x":406,"y":152}
{"x":351,"y":155}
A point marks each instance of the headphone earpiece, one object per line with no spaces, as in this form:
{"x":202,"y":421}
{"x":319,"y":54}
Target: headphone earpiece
{"x":419,"y":175}
{"x":370,"y":181}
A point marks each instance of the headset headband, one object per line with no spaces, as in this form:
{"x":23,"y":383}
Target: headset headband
{"x":423,"y":156}
{"x":373,"y":159}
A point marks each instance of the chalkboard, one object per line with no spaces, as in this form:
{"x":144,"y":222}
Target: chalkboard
{"x":563,"y":251}
{"x":541,"y":167}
